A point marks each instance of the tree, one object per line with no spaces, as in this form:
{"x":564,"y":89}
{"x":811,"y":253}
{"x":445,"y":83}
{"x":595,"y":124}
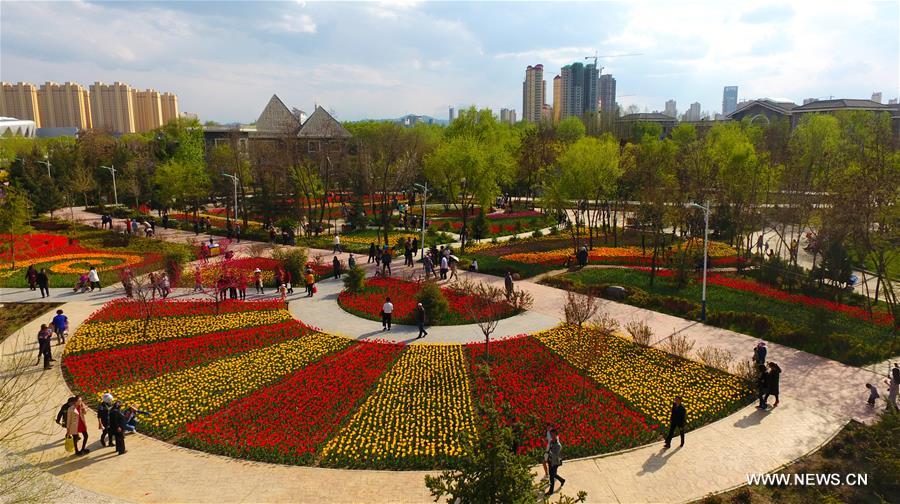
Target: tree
{"x":536,"y":155}
{"x":181,"y":184}
{"x":489,"y":304}
{"x":82,"y":181}
{"x":570,"y":130}
{"x":14,"y":215}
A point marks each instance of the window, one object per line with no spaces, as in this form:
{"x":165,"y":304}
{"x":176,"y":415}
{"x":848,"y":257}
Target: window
{"x":313,"y":146}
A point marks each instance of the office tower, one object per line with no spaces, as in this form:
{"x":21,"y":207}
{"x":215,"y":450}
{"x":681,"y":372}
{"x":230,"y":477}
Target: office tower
{"x":671,"y":109}
{"x":892,"y":101}
{"x":876,"y":97}
{"x":112,"y":107}
{"x":20,"y":101}
{"x":512,"y":116}
{"x":557,"y":82}
{"x":504,"y":115}
{"x":169,"y":104}
{"x":693,"y":114}
{"x":729,"y":99}
{"x":608,"y":93}
{"x":64,"y":106}
{"x":534,"y":93}
{"x":452,"y":114}
{"x":147,"y":110}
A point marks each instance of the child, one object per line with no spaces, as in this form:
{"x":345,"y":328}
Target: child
{"x":873,"y":395}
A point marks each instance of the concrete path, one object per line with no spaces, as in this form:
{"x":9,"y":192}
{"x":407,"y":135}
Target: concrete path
{"x":818,"y":397}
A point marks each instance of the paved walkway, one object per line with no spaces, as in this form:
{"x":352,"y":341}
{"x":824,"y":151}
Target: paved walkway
{"x":818,"y":397}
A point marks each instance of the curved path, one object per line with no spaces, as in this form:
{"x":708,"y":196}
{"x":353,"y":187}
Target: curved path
{"x":818,"y":397}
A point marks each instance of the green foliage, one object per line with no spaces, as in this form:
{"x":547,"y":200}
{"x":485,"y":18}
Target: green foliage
{"x":292,"y":259}
{"x":479,"y":226}
{"x":181,"y":185}
{"x":432,"y":298}
{"x":570,"y":130}
{"x":355,"y":279}
{"x":14,"y":215}
{"x":174,"y":262}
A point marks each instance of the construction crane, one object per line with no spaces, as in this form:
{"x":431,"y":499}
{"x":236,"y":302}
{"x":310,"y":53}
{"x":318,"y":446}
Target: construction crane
{"x":595,"y":57}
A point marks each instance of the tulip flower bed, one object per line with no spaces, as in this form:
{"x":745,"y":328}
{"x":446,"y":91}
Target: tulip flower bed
{"x":633,"y":256}
{"x":649,"y":378}
{"x":210,"y":272}
{"x":306,"y":408}
{"x":539,"y":389}
{"x":368,"y":302}
{"x":414,"y":417}
{"x":122,"y":309}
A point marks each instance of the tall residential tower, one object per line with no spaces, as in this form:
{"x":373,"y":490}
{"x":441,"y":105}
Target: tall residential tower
{"x":729,"y":99}
{"x":534,"y":93}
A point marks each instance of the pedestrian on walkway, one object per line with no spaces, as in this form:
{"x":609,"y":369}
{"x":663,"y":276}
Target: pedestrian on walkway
{"x":242,"y":286}
{"x":336,"y":266}
{"x":165,"y":286}
{"x":508,"y":283}
{"x":60,"y":326}
{"x":237,"y":232}
{"x":415,"y":246}
{"x":582,"y":257}
{"x":77,"y":427}
{"x":310,"y":282}
{"x":128,"y":282}
{"x":289,"y":280}
{"x":387,"y":309}
{"x":117,"y":424}
{"x":43,"y":282}
{"x":45,"y":334}
{"x":428,"y":264}
{"x":257,"y":281}
{"x":677,"y":419}
{"x":336,"y":243}
{"x":759,"y":353}
{"x":420,"y":320}
{"x":408,"y":255}
{"x":772,"y":381}
{"x":386,"y":259}
{"x":94,"y":278}
{"x":762,"y":379}
{"x":873,"y":395}
{"x":103,"y":408}
{"x":198,"y":279}
{"x":893,"y":383}
{"x":554,"y":460}
{"x":444,"y":267}
{"x":454,"y":263}
{"x":31,"y":276}
{"x":378,"y":253}
{"x":351,"y":261}
{"x":372,"y":252}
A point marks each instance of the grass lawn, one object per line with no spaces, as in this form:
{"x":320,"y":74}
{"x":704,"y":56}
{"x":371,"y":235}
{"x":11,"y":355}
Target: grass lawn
{"x":15,"y":315}
{"x":858,"y":449}
{"x":819,"y":331}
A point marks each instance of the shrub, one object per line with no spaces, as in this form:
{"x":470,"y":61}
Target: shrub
{"x":537,"y":233}
{"x":640,"y":332}
{"x":554,"y":231}
{"x":292,"y":259}
{"x":678,"y":345}
{"x":174,"y":262}
{"x":715,"y":357}
{"x":355,"y":279}
{"x":433,"y":299}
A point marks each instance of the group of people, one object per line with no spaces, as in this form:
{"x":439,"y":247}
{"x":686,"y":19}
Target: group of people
{"x":58,"y":326}
{"x":38,"y":280}
{"x":768,"y":376}
{"x":86,"y":281}
{"x":114,"y":420}
{"x":893,"y":387}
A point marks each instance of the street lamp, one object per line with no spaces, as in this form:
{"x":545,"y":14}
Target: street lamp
{"x":46,"y":162}
{"x":424,"y":190}
{"x":705,"y":248}
{"x":234,"y":178}
{"x":112,"y":170}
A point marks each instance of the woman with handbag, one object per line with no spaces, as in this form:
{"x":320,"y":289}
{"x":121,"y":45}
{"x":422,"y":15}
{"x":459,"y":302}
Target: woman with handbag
{"x":76,"y":427}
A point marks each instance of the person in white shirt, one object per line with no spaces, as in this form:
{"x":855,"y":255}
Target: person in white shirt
{"x":444,"y":267}
{"x":94,"y":278}
{"x":386,"y":310}
{"x":337,"y":244}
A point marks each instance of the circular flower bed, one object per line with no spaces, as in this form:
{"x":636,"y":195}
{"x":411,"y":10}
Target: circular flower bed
{"x":368,"y":302}
{"x":207,"y":373}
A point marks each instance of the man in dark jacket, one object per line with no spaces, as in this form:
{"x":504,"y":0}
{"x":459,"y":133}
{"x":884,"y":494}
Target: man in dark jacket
{"x":677,"y":419}
{"x":117,"y":426}
{"x":420,"y":320}
{"x":762,"y":385}
{"x":336,"y":266}
{"x":554,"y":460}
{"x":43,"y":282}
{"x":582,"y":257}
{"x":103,"y":417}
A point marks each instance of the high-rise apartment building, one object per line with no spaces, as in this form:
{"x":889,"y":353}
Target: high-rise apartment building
{"x":169,"y":104}
{"x":693,"y":113}
{"x":671,"y":108}
{"x":557,"y":84}
{"x":112,"y":106}
{"x":534,"y":93}
{"x":504,"y":115}
{"x":729,"y":99}
{"x":20,"y":101}
{"x":607,"y":93}
{"x":452,"y":114}
{"x":64,"y":106}
{"x":148,"y":110}
{"x":579,"y":93}
{"x":876,"y":97}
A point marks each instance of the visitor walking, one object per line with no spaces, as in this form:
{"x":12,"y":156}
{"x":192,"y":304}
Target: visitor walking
{"x":420,"y":320}
{"x":372,"y":252}
{"x":43,"y":282}
{"x":117,"y":425}
{"x":582,"y":257}
{"x":45,"y":334}
{"x":387,"y":309}
{"x":128,"y":283}
{"x":762,"y":378}
{"x":428,"y":264}
{"x":60,"y":326}
{"x":454,"y":263}
{"x":759,"y":353}
{"x":242,"y":286}
{"x":257,"y":281}
{"x":31,"y":276}
{"x":772,"y":380}
{"x":893,"y":383}
{"x":76,"y":427}
{"x":310,"y":282}
{"x":351,"y":261}
{"x":554,"y":460}
{"x":103,"y":408}
{"x":415,"y":246}
{"x":408,"y":255}
{"x":336,"y":243}
{"x":508,"y":283}
{"x":676,"y":420}
{"x":386,"y":259}
{"x":94,"y":278}
{"x":289,"y":280}
{"x":873,"y":395}
{"x":444,"y":267}
{"x":336,"y":266}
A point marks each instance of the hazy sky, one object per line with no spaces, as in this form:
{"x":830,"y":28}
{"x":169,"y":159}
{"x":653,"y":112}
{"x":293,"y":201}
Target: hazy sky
{"x":386,"y":59}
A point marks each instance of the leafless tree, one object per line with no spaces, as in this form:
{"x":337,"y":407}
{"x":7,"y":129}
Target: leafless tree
{"x":488,"y":305}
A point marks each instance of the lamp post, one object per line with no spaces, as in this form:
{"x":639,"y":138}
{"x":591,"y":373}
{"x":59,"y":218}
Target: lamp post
{"x":234,"y":178}
{"x":424,"y":190}
{"x":46,"y":162}
{"x":705,"y":248}
{"x":112,"y":170}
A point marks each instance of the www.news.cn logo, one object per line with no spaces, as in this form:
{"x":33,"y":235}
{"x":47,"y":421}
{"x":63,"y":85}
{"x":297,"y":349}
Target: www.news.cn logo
{"x":808,"y":479}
